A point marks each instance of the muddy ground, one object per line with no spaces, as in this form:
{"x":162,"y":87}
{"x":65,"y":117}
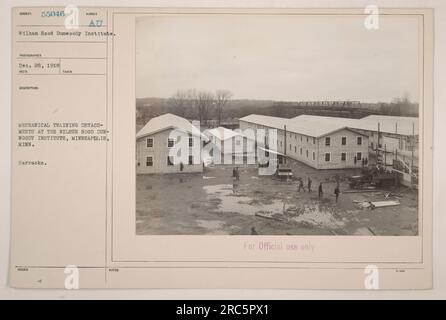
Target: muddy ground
{"x":212,"y":202}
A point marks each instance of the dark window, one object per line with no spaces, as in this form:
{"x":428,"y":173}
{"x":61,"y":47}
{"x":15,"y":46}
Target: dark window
{"x":314,"y":140}
{"x":314,"y":155}
{"x":149,"y":161}
{"x":359,"y":140}
{"x":327,"y":141}
{"x":150,"y":143}
{"x":290,"y":146}
{"x":344,"y":141}
{"x":191,"y":160}
{"x":307,"y":153}
{"x":295,"y":149}
{"x":343,"y":156}
{"x":300,"y":151}
{"x":327,"y":157}
{"x":358,"y":156}
{"x":191,"y":142}
{"x":170,"y":142}
{"x":169,"y":161}
{"x":307,"y":139}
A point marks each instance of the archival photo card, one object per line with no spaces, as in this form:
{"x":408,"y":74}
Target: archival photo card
{"x":221,"y":148}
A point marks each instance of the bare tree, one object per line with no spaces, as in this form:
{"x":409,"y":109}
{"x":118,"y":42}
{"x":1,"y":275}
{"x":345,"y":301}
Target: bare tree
{"x":204,"y":100}
{"x":178,"y":103}
{"x":400,"y":104}
{"x":221,"y":98}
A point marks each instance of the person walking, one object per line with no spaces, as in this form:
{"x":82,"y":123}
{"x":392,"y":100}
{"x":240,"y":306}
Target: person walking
{"x":309,"y":184}
{"x":237,"y":174}
{"x":320,"y":192}
{"x":336,"y":192}
{"x":301,"y":185}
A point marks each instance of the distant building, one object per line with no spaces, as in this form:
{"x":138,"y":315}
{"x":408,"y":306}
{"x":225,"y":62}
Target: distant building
{"x":321,"y":146}
{"x":155,"y":143}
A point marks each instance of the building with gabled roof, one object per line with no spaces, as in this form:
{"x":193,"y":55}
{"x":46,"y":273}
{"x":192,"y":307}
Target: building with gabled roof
{"x":158,"y":140}
{"x":231,"y":147}
{"x":327,"y":145}
{"x":393,"y":140}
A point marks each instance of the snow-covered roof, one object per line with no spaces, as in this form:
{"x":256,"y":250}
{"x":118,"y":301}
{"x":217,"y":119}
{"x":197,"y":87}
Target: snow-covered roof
{"x":168,"y":121}
{"x":346,"y":122}
{"x":222,"y":133}
{"x":390,"y":124}
{"x":308,"y":127}
{"x":387,"y":124}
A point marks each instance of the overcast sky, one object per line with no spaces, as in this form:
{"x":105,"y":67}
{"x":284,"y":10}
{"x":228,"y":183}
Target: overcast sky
{"x":278,"y":57}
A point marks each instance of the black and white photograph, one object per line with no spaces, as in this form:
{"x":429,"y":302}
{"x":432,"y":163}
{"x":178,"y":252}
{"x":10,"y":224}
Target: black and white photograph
{"x":277,"y":125}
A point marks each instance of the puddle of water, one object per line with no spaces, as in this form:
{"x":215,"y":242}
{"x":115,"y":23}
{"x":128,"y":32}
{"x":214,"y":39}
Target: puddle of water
{"x":232,"y":202}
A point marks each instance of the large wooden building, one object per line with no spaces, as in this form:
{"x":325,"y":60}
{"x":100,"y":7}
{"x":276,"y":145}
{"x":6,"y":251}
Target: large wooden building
{"x":160,"y":137}
{"x":393,"y":141}
{"x":321,"y":146}
{"x":231,"y":147}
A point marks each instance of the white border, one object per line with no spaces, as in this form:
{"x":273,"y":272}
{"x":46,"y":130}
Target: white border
{"x":439,"y":202}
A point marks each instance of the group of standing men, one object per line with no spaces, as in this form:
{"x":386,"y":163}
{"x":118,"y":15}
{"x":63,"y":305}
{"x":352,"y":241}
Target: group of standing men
{"x":320,"y":190}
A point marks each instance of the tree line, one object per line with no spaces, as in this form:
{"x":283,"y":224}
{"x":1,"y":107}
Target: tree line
{"x":200,"y":104}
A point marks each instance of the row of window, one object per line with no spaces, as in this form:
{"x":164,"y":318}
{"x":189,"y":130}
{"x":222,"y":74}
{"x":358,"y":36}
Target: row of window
{"x":301,"y":152}
{"x":170,"y":142}
{"x":343,"y":156}
{"x":343,"y":141}
{"x":328,"y":141}
{"x":149,"y":161}
{"x":301,"y":138}
{"x":328,"y":155}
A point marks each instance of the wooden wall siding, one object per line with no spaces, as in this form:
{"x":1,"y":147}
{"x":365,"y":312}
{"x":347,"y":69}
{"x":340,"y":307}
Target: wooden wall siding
{"x":336,"y":148}
{"x":159,"y":152}
{"x":239,"y":152}
{"x":295,"y":142}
